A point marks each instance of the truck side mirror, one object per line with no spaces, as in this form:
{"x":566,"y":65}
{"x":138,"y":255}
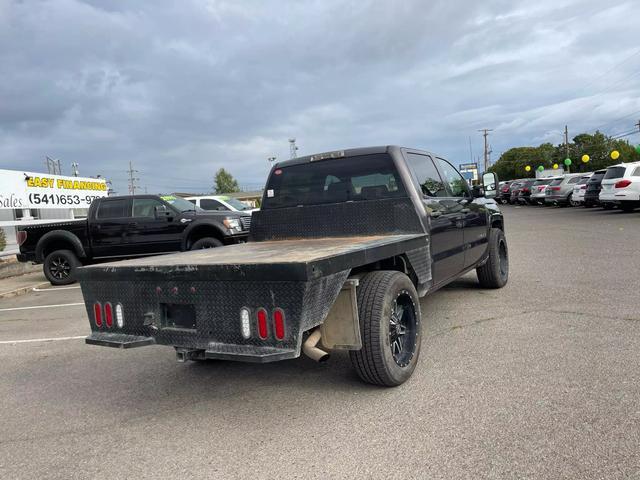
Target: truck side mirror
{"x":161,"y":211}
{"x":490,"y":184}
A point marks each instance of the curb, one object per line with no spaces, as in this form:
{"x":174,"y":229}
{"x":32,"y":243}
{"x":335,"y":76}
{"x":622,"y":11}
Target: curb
{"x":22,"y":290}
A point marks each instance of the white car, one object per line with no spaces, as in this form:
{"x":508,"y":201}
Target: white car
{"x":621,"y":186}
{"x":580,"y":188}
{"x":221,"y":203}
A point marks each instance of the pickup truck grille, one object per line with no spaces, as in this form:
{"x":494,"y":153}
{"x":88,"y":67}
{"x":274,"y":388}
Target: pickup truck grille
{"x":245,"y":222}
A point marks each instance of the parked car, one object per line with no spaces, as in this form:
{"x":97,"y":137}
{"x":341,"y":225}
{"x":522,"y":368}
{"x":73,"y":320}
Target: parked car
{"x":127,"y":226}
{"x":621,"y":186}
{"x":592,"y":191}
{"x":524,"y":191}
{"x":560,"y":191}
{"x":221,"y":203}
{"x":505,"y":192}
{"x":579,"y":190}
{"x":514,"y":192}
{"x":538,"y":190}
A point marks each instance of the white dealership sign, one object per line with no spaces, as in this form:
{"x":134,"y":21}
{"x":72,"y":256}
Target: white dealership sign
{"x":20,"y":189}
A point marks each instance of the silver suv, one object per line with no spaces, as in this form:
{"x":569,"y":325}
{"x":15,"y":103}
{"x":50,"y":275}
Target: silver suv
{"x":560,"y":190}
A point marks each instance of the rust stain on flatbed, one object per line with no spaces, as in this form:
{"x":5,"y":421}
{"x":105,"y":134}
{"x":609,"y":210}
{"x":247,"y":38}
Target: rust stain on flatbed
{"x":276,"y":251}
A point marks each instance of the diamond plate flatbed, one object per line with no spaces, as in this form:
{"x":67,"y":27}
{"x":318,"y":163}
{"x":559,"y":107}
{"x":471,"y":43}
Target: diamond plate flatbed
{"x":298,"y":259}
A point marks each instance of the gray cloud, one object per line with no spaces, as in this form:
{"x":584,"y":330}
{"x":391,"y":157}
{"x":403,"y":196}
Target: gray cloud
{"x":183,"y":88}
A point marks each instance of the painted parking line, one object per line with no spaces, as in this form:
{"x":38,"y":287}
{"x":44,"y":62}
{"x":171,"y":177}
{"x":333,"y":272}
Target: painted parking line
{"x":54,"y":289}
{"x":40,"y":306}
{"x":34,"y":340}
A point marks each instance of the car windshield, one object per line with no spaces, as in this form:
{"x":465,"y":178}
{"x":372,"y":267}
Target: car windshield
{"x":181,"y":204}
{"x":351,"y":179}
{"x":614,"y":172}
{"x":237,"y":204}
{"x":596,"y":177}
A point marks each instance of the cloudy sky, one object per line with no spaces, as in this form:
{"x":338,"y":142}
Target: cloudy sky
{"x":183,"y":88}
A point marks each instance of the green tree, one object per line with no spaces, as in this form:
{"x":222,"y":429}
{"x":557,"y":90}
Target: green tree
{"x":224,"y":182}
{"x":3,"y":240}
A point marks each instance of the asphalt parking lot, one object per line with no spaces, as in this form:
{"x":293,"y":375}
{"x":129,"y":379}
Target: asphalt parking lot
{"x":537,"y":380}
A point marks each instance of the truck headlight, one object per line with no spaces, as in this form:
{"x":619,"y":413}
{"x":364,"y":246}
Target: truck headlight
{"x":232,"y":224}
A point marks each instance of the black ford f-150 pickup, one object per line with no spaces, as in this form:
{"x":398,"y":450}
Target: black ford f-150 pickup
{"x":338,"y":257}
{"x":127,"y":226}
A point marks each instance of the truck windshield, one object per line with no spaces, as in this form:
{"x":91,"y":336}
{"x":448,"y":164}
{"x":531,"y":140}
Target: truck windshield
{"x":350,"y":179}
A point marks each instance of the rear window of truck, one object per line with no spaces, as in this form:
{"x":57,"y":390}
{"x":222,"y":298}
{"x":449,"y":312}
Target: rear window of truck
{"x":555,"y":182}
{"x":350,"y":179}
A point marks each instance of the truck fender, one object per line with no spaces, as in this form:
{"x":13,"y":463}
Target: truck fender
{"x":208,"y":223}
{"x":63,"y":235}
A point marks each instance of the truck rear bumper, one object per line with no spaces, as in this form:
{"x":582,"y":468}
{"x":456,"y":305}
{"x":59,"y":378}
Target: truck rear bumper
{"x":118,"y":340}
{"x":220,"y":351}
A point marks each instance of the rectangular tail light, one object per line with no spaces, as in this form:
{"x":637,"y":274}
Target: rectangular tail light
{"x":21,"y":237}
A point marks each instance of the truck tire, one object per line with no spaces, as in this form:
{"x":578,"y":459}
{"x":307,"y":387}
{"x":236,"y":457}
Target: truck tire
{"x":390,"y":324}
{"x":495,"y":272}
{"x":206,"y":242}
{"x":60,"y":267}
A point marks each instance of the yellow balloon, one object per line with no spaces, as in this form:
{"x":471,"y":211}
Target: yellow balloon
{"x":555,"y":166}
{"x":527,"y":168}
{"x":585,"y":158}
{"x":615,"y":154}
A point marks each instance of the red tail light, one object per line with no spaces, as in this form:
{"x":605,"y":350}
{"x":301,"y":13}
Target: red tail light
{"x":555,"y":189}
{"x":623,"y":184}
{"x":262,"y":323}
{"x":525,"y":190}
{"x":583,"y":187}
{"x":97,"y":314}
{"x":278,"y":323}
{"x":108,"y":315}
{"x":21,"y":237}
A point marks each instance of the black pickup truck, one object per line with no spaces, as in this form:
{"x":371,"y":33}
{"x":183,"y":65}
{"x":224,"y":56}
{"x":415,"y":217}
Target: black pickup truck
{"x":338,"y":257}
{"x":127,"y":226}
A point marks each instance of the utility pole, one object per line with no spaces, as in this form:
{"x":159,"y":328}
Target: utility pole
{"x":566,"y":146}
{"x":293,"y":149}
{"x":74,"y":169}
{"x":52,"y":165}
{"x":132,"y":179}
{"x":470,"y":150}
{"x":485,"y":134}
{"x":638,"y":125}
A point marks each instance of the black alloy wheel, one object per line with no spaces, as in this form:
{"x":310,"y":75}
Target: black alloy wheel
{"x":60,"y":267}
{"x":403,"y":328}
